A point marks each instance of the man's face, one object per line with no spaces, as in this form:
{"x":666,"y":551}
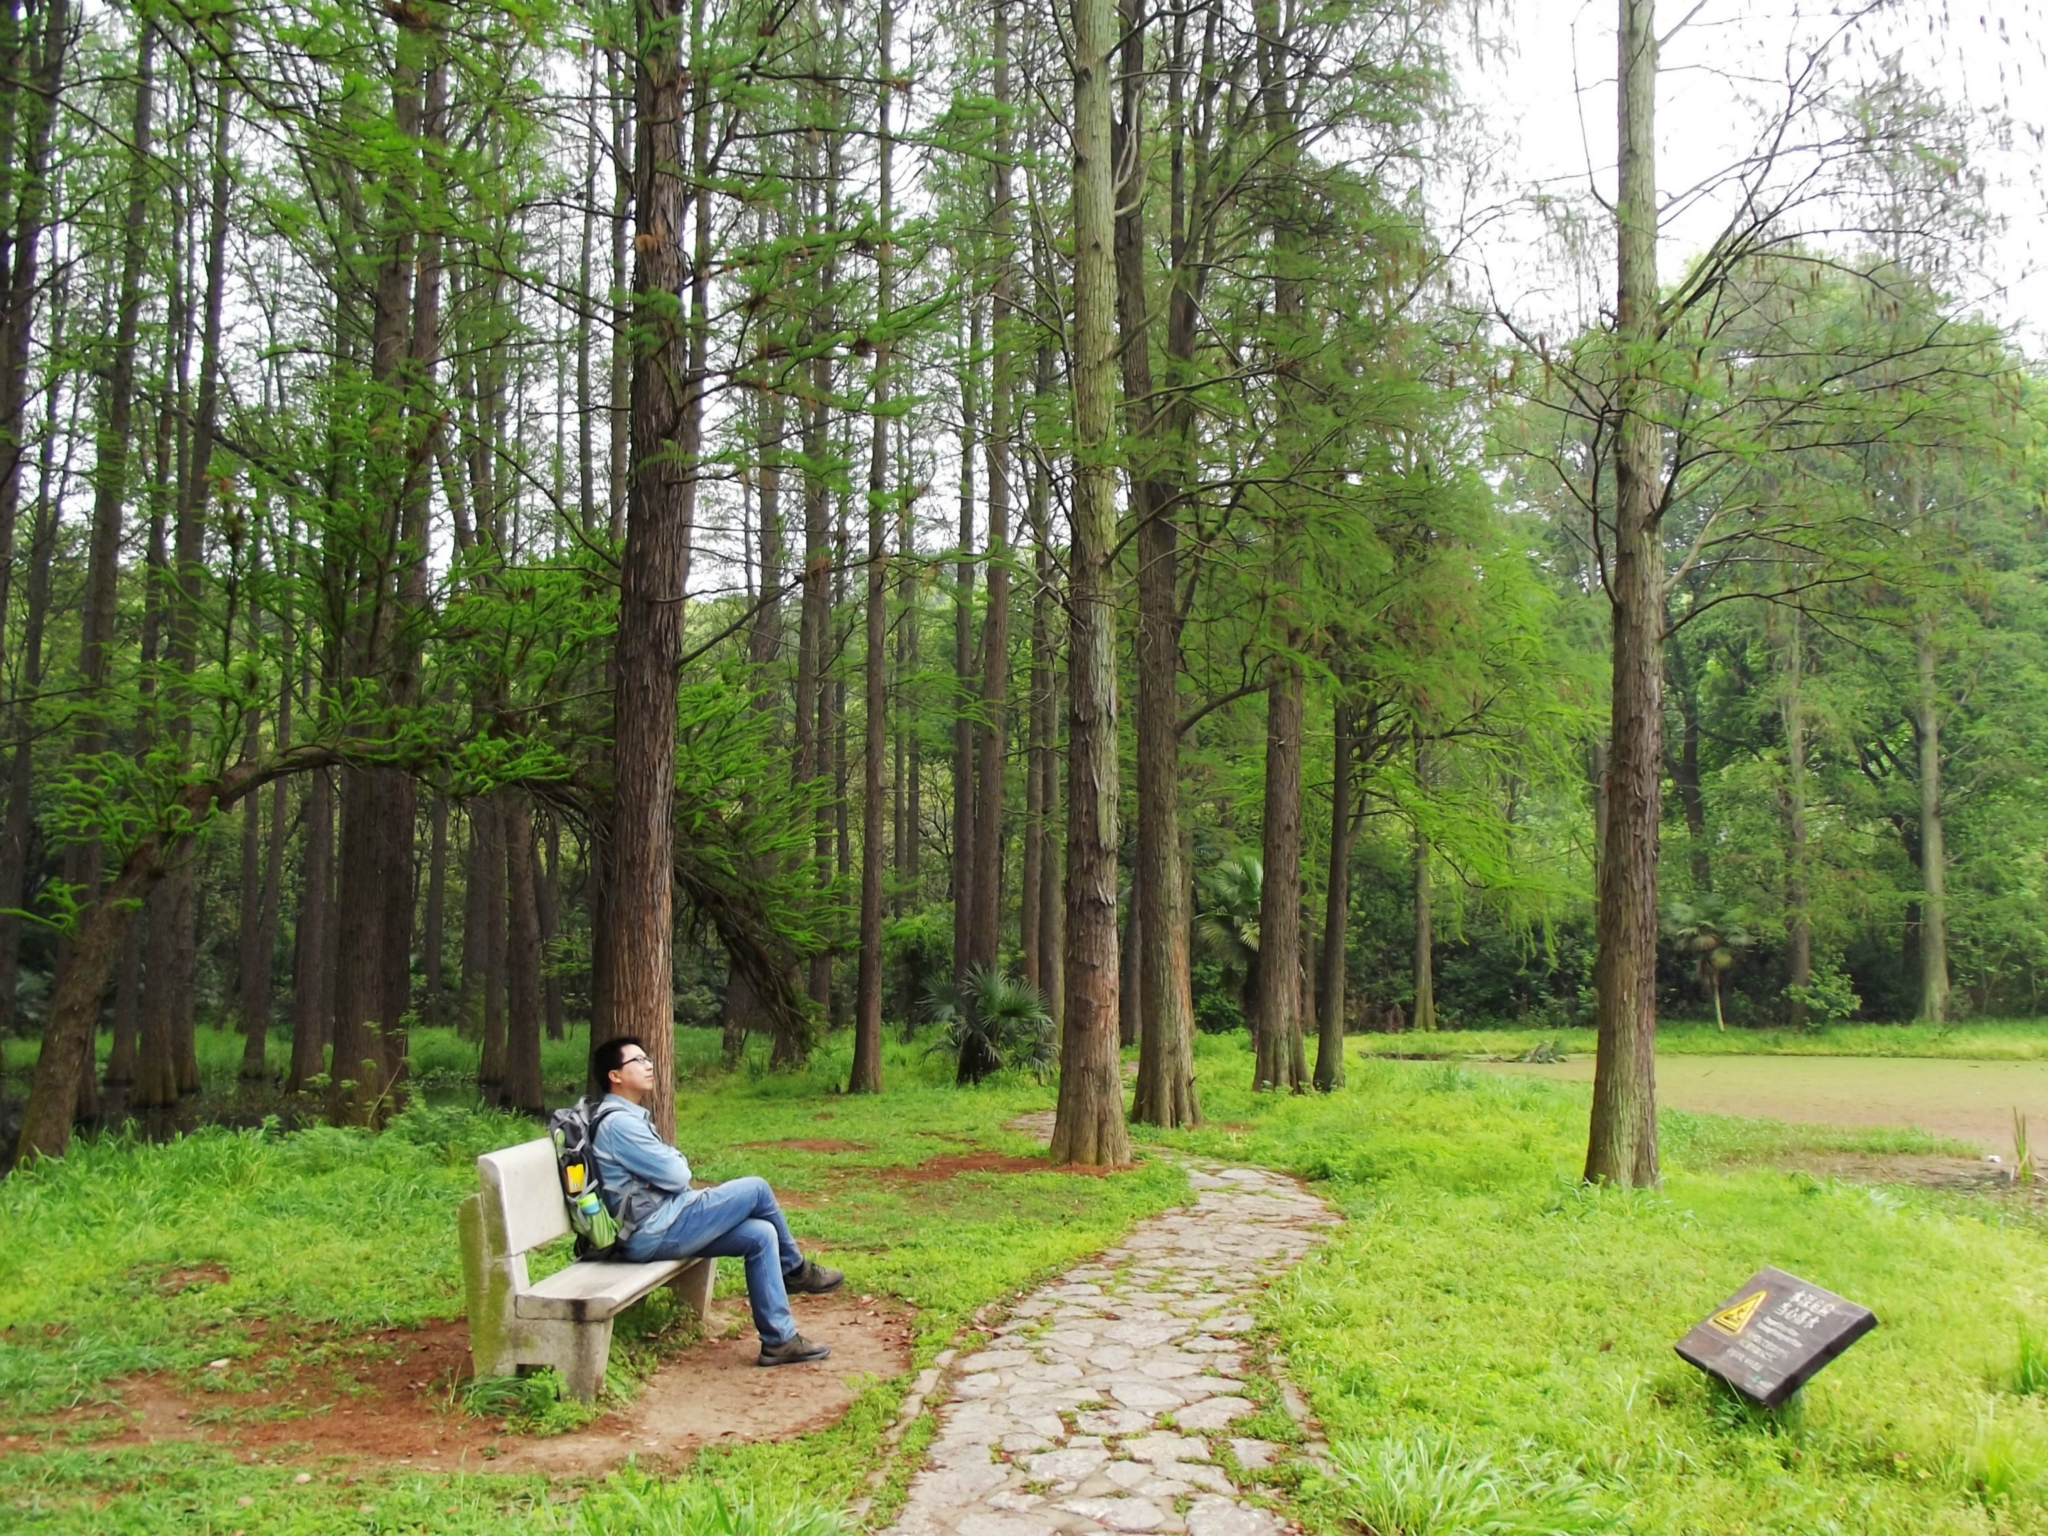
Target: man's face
{"x":634,"y":1075}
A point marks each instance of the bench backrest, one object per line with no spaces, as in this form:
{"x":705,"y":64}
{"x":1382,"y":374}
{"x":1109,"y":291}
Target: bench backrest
{"x":523,"y":1184}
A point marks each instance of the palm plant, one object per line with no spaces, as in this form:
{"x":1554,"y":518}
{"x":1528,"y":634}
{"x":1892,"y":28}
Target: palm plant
{"x":1715,"y":938}
{"x":991,"y":1021}
{"x":1228,"y":924}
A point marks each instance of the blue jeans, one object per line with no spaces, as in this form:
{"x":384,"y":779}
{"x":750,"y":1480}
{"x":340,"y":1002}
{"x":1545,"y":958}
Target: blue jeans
{"x":738,"y":1219}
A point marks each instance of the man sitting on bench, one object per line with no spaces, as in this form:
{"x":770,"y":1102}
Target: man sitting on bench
{"x":646,"y":1183}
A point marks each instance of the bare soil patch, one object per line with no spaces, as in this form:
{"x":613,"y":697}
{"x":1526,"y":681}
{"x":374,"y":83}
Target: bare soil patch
{"x":1966,"y":1174}
{"x":392,"y":1397}
{"x":936,"y":1170}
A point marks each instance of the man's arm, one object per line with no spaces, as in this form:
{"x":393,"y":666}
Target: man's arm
{"x":629,"y":1140}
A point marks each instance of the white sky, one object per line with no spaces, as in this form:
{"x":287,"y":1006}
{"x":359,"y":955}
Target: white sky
{"x":1545,"y":95}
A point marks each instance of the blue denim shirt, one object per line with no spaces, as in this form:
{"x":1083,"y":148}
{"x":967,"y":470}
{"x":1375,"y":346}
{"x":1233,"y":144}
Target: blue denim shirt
{"x":635,"y":1166}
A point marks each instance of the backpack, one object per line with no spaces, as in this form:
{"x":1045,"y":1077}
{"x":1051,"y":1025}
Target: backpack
{"x":599,"y":1234}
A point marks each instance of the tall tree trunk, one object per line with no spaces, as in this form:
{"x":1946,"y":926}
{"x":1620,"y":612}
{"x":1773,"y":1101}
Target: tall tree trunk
{"x":962,"y":872}
{"x":521,"y":1086}
{"x":312,"y":974}
{"x":469,"y":990}
{"x":866,"y":1074}
{"x":1088,"y":1125}
{"x":1933,"y":858}
{"x":1330,"y":980}
{"x":547,"y":891}
{"x":497,"y":957}
{"x":1685,"y":766}
{"x":1798,"y":912}
{"x":1621,"y":1146}
{"x":110,"y":489}
{"x":254,"y":957}
{"x":1279,"y":992}
{"x":991,"y":729}
{"x":433,"y":998}
{"x":1425,"y":938}
{"x":15,"y":847}
{"x":667,"y":426}
{"x":38,"y":65}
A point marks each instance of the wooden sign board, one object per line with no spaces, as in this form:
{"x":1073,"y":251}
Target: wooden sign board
{"x":1771,"y":1337}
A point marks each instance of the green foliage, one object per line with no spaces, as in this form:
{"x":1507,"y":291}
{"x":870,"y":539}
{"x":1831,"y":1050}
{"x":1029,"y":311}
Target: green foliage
{"x":1424,"y":1486}
{"x":1556,"y":1343}
{"x":642,"y":1506}
{"x":993,"y":1021}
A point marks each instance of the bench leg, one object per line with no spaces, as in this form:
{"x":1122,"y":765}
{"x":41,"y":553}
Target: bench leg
{"x":579,"y":1351}
{"x":693,"y":1283}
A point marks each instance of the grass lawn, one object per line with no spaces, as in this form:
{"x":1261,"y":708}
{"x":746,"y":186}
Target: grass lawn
{"x":1985,"y":1040}
{"x":1484,"y":1318}
{"x":1481,"y":1326}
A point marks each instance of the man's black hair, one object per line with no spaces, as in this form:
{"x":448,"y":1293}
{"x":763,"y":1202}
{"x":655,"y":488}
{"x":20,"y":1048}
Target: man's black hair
{"x":610,"y":1055}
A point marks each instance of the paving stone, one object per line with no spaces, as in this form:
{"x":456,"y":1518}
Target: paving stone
{"x":1148,"y":1325}
{"x":1118,"y":1514}
{"x":1113,"y":1421}
{"x":1149,"y":1396}
{"x":1164,"y":1447}
{"x":1254,"y":1453}
{"x":1002,"y":1523}
{"x":1212,"y":1413}
{"x":1218,"y":1516}
{"x":997,"y":1360}
{"x":1065,"y":1466}
{"x":959,"y":1485}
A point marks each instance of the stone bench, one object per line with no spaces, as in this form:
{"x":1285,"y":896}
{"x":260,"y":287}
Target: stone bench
{"x":565,"y":1320}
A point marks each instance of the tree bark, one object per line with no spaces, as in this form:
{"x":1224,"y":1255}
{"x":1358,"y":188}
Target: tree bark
{"x":1425,"y":938}
{"x":1279,"y":1014}
{"x":962,"y":872}
{"x":1933,"y":857}
{"x":312,"y":974}
{"x":547,"y":891}
{"x":66,"y":1053}
{"x":1798,"y":910}
{"x":1163,"y":1007}
{"x":667,"y":422}
{"x":991,"y":728}
{"x":110,"y":484}
{"x":521,"y":1086}
{"x":497,"y":957}
{"x":433,"y":943}
{"x":866,"y":1073}
{"x":1088,"y":1125}
{"x":15,"y":849}
{"x":1330,"y":980}
{"x":1621,"y":1145}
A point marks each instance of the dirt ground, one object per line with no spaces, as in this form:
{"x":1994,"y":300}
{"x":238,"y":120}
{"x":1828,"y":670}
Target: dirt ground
{"x":393,"y":1397}
{"x":1971,"y":1101}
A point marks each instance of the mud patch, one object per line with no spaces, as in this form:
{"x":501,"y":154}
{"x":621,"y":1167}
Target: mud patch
{"x":393,"y":1397}
{"x":1967,"y":1174}
{"x":814,"y":1144}
{"x":937,"y":1170}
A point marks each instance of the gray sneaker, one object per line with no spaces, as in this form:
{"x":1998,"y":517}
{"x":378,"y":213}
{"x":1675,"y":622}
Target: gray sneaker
{"x":811,"y":1278}
{"x":795,"y":1350}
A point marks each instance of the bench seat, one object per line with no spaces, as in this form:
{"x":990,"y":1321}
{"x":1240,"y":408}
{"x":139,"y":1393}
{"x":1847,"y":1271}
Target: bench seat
{"x":589,"y":1293}
{"x":565,"y":1320}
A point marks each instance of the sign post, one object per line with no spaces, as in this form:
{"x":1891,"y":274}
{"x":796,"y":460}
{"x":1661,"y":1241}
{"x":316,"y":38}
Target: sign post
{"x":1771,"y":1337}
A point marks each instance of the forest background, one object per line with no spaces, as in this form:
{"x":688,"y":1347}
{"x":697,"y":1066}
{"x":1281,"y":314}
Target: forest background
{"x":516,"y":514}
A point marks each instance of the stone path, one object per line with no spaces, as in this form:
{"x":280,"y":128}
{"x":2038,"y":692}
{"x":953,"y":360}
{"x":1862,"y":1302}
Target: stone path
{"x":1105,"y":1403}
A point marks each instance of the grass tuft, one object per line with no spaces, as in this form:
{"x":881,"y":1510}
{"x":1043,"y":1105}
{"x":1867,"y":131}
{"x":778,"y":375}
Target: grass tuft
{"x":1424,"y":1485}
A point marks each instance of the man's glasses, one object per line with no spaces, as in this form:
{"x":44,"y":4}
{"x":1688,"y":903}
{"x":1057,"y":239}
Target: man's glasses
{"x":627,"y":1061}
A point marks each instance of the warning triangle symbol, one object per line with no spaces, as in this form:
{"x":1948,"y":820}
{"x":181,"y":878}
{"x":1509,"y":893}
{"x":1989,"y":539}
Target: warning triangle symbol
{"x":1732,"y":1319}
